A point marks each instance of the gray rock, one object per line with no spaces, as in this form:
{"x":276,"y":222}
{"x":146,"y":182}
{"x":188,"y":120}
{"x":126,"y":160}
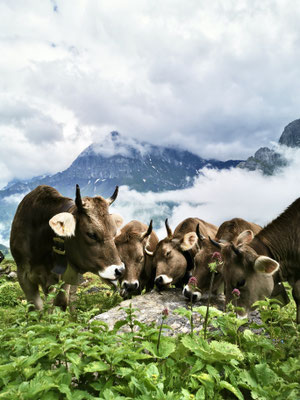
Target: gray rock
{"x":13,"y":276}
{"x":150,"y":307}
{"x":266,"y":160}
{"x":291,"y":134}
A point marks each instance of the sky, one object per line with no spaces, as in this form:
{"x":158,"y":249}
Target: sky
{"x":219,"y":78}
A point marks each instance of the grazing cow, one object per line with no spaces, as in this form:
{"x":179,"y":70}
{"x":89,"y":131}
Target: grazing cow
{"x":1,"y":257}
{"x":173,"y":258}
{"x":131,"y":243}
{"x":257,"y":263}
{"x":52,"y":236}
{"x":227,"y":232}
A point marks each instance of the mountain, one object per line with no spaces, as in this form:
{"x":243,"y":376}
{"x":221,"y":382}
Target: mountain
{"x":117,"y":160}
{"x":268,"y":160}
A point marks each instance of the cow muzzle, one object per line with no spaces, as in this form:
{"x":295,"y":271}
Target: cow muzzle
{"x":112,"y":272}
{"x":130,"y":286}
{"x":189,"y":294}
{"x":162,"y":280}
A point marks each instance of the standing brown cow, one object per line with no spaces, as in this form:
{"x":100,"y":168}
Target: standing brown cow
{"x":52,"y":235}
{"x":227,"y":232}
{"x":257,"y":263}
{"x":131,"y":243}
{"x":173,"y":258}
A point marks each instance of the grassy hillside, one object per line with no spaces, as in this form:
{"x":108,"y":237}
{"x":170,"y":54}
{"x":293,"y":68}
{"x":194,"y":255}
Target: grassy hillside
{"x":61,"y":355}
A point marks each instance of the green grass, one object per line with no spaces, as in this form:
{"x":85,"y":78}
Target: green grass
{"x":61,"y":355}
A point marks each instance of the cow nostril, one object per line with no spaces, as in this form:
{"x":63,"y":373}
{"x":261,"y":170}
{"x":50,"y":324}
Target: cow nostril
{"x":125,"y":285}
{"x":194,"y":297}
{"x":186,"y":293}
{"x":118,"y":273}
{"x":159,"y":279}
{"x":136,"y":285}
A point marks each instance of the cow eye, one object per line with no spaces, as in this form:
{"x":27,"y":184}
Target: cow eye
{"x":92,"y":235}
{"x":168,"y":253}
{"x":140,"y":259}
{"x":241,"y":283}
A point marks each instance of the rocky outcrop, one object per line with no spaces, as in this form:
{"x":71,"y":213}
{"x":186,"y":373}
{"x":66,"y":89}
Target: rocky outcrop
{"x":268,"y":160}
{"x":265,"y":160}
{"x":291,"y":135}
{"x":150,"y":307}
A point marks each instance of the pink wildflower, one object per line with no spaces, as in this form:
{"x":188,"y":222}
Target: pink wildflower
{"x":165,"y":312}
{"x":236,"y":292}
{"x":216,"y":256}
{"x":193,"y":281}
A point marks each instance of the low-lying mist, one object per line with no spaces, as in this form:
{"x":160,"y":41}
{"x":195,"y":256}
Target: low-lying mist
{"x":217,"y":196}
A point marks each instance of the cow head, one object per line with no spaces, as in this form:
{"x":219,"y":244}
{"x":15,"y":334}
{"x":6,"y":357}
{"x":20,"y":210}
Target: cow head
{"x":89,"y":230}
{"x":201,"y":270}
{"x":247,"y":271}
{"x":131,"y":243}
{"x":169,"y":259}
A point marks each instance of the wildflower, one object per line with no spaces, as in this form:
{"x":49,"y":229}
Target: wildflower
{"x":216,"y":256}
{"x":165,"y":312}
{"x":193,"y":282}
{"x":236,"y":292}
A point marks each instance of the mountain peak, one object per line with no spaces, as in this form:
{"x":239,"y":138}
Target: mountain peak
{"x":291,"y":134}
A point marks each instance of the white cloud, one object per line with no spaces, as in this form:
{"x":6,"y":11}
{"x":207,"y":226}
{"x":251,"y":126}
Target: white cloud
{"x":218,"y":78}
{"x":218,"y":196}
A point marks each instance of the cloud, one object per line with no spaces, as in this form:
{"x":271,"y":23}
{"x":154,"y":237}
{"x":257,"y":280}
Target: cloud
{"x":217,"y":196}
{"x":218,"y":79}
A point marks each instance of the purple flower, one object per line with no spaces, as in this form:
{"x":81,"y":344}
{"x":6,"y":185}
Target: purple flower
{"x":165,"y":312}
{"x":236,"y":292}
{"x":193,"y":281}
{"x":216,"y":256}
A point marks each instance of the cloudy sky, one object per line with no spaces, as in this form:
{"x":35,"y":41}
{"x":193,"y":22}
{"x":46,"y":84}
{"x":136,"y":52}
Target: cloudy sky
{"x":220,"y":78}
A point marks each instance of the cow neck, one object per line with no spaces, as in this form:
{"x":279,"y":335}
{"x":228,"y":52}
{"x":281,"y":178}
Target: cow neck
{"x":261,"y":246}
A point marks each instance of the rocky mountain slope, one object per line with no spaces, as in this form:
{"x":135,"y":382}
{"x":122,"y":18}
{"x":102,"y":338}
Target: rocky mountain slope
{"x":117,"y":160}
{"x":268,"y":160}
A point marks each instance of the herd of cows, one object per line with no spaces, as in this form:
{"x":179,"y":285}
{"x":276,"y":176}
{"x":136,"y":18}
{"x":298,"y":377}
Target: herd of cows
{"x":55,"y":238}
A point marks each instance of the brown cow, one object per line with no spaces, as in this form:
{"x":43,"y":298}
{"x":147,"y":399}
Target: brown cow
{"x":227,"y":232}
{"x":173,"y":258}
{"x":131,"y":243}
{"x":47,"y":225}
{"x":257,"y":263}
{"x":1,"y":256}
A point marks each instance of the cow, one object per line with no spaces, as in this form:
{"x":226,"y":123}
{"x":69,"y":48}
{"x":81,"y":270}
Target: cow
{"x":131,"y":243}
{"x":1,"y":257}
{"x":54,"y":237}
{"x":227,"y":232}
{"x":173,"y":258}
{"x":257,"y":263}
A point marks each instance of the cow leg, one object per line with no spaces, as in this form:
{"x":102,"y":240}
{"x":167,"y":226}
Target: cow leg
{"x":72,"y":297}
{"x":30,"y":289}
{"x":296,"y":295}
{"x":62,"y":298}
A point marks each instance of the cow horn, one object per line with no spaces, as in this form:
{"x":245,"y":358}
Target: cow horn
{"x":215,"y":243}
{"x":149,"y":230}
{"x":111,"y":199}
{"x":150,"y":253}
{"x":201,"y":237}
{"x":169,"y":231}
{"x":78,"y":200}
{"x":235,"y":249}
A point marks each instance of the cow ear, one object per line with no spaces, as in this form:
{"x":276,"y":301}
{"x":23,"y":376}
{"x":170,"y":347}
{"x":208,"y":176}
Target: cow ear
{"x":63,"y":224}
{"x":266,"y":265}
{"x":188,"y":241}
{"x":118,"y":220}
{"x":245,"y":237}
